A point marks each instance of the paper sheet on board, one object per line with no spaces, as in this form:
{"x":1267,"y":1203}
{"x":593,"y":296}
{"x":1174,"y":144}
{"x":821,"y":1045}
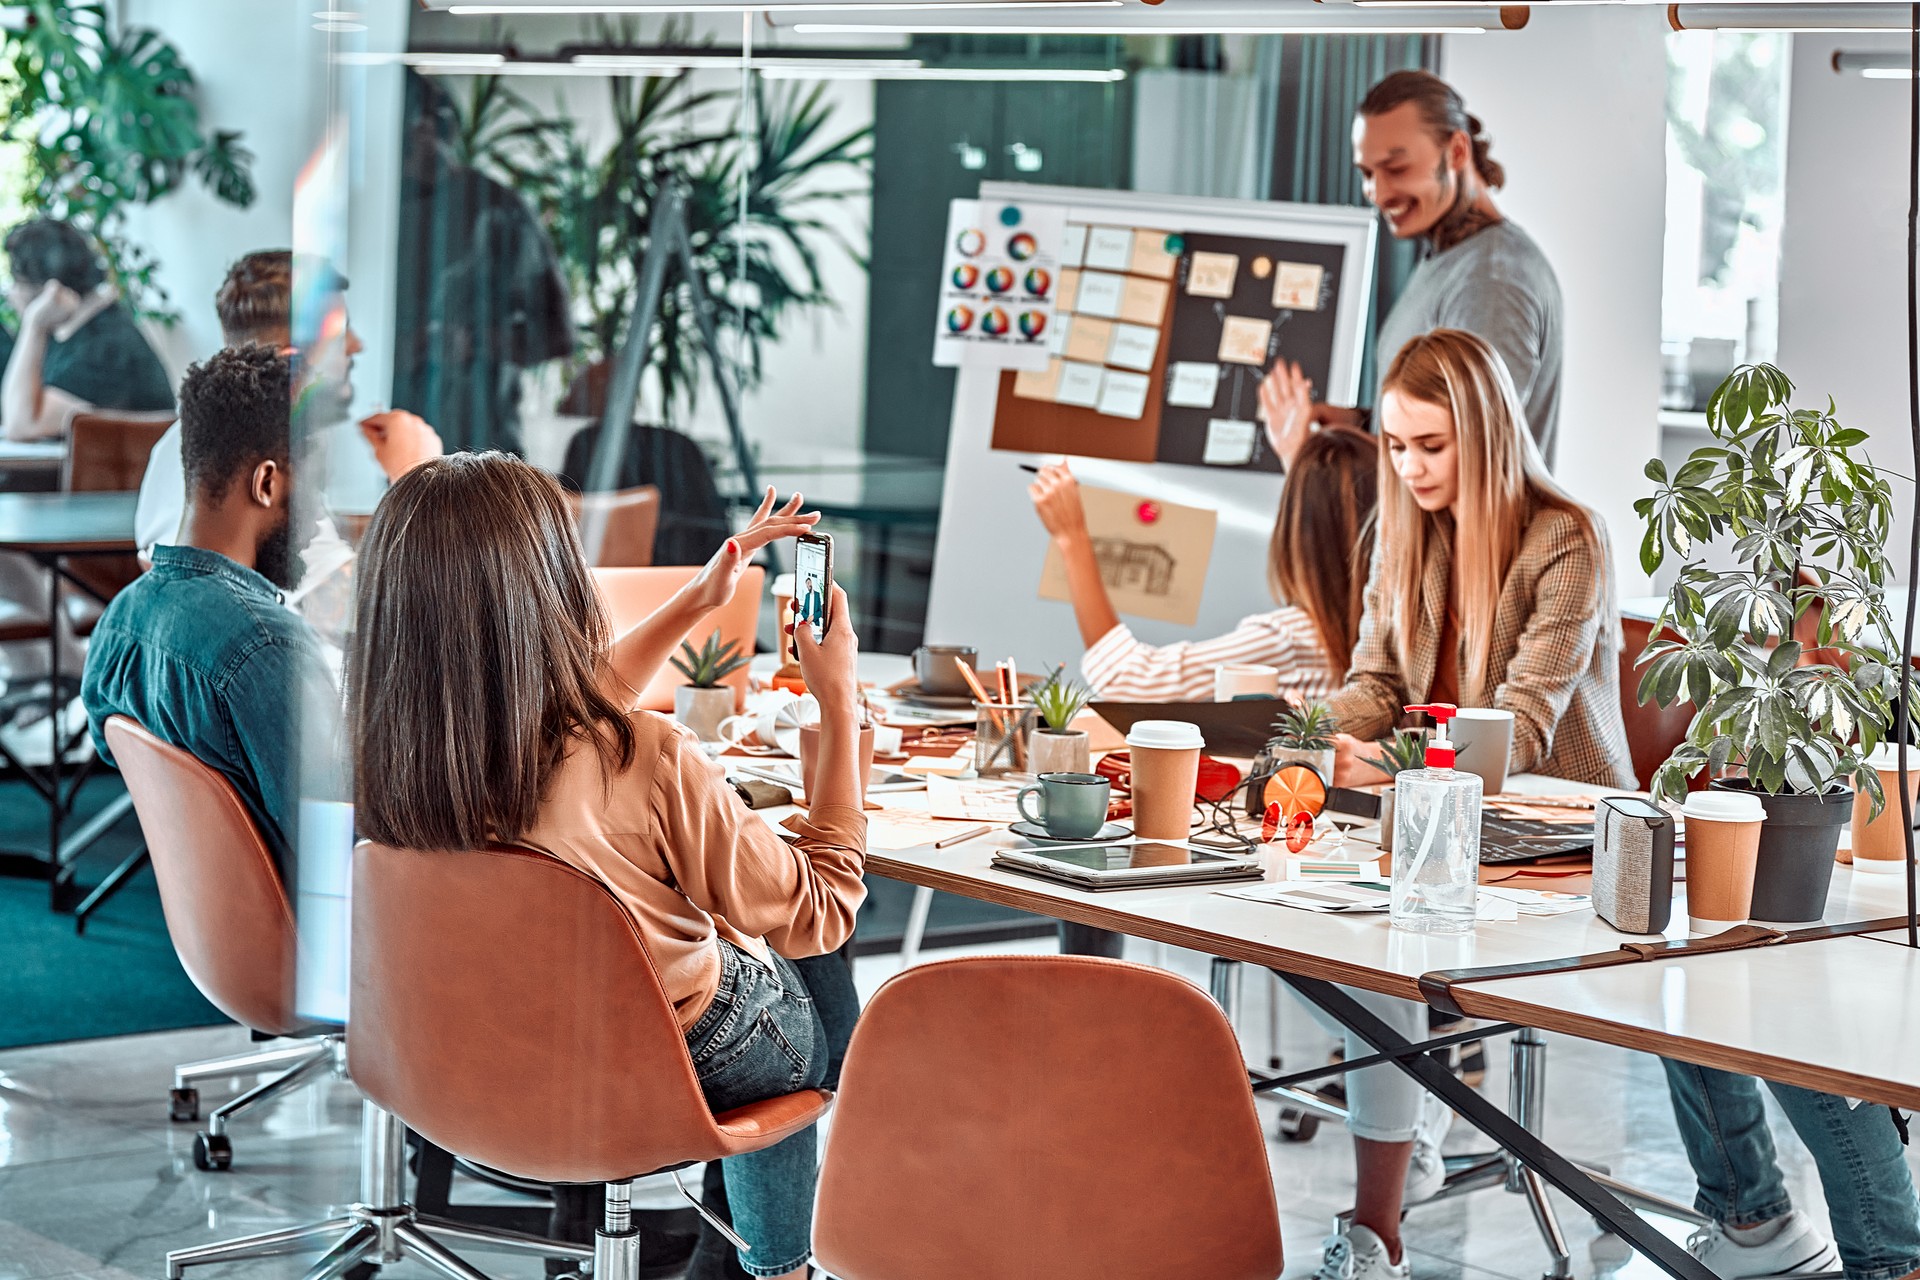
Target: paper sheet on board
{"x":1153,"y":554}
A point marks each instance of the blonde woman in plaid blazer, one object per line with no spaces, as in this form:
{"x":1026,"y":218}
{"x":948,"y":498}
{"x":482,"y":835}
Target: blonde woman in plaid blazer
{"x":1490,"y":587}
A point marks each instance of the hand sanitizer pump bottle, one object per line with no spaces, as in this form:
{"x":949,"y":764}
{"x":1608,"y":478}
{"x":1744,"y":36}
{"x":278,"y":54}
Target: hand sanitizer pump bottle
{"x":1436,"y":839}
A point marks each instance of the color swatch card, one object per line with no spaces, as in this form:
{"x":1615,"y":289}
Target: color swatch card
{"x":999,"y":283}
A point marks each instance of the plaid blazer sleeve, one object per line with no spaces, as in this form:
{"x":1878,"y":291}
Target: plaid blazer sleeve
{"x":1375,"y":691}
{"x":1558,"y":635}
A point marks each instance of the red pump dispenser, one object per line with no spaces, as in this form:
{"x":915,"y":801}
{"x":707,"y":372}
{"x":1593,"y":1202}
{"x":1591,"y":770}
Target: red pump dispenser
{"x":1440,"y":752}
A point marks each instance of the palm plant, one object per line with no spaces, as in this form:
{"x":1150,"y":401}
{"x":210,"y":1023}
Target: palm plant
{"x":108,"y":120}
{"x":597,"y":206}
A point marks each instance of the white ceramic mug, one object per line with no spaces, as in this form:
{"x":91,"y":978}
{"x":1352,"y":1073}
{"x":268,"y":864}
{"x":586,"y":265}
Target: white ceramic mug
{"x":887,"y":739}
{"x":1242,"y":679}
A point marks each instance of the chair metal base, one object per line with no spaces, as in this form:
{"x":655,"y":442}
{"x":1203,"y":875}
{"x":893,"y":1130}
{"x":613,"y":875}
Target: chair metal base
{"x":383,"y":1227}
{"x":305,"y":1059}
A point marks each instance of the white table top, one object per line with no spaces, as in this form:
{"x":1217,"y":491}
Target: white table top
{"x":1842,"y":1015}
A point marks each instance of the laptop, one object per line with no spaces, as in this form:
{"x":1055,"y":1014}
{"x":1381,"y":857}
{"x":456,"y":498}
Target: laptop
{"x":1230,"y":728}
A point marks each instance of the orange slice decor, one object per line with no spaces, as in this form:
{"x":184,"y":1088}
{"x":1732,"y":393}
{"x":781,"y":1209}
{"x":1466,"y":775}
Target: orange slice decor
{"x":1297,"y":788}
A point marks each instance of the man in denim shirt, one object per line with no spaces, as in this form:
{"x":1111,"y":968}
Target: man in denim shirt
{"x":200,"y":650}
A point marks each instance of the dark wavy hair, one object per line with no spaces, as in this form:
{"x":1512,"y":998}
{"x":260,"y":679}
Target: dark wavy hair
{"x":477,"y":656}
{"x":1442,"y":110}
{"x":235,"y":413}
{"x":48,"y":249}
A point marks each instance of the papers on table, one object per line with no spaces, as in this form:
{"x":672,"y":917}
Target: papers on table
{"x":1495,"y":905}
{"x":972,"y":800}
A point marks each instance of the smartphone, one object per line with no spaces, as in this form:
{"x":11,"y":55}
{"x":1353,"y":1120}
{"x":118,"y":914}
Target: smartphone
{"x":813,"y":580}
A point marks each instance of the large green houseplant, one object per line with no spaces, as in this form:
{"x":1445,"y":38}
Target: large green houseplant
{"x":106,"y":117}
{"x":1791,"y":497}
{"x":596,"y":200}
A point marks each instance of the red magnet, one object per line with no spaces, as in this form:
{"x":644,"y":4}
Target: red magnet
{"x":1148,"y":512}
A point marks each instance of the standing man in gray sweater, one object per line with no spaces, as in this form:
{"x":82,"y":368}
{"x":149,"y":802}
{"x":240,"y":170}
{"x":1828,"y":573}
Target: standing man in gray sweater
{"x":1427,"y":167}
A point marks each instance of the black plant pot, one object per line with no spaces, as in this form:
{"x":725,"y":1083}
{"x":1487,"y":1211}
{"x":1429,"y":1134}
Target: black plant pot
{"x":1797,"y":847}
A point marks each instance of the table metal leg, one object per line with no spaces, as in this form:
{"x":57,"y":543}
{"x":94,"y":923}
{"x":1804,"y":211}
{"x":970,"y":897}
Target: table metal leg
{"x":1505,"y":1130}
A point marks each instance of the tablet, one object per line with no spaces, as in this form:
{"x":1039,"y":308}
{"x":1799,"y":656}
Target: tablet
{"x":1130,"y":864}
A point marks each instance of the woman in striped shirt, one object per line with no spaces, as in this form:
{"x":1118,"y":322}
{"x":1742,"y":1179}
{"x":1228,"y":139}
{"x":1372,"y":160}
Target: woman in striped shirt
{"x":1316,"y":566}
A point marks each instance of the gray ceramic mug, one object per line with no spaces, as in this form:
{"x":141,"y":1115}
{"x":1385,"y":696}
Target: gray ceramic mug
{"x":937,"y":673}
{"x":1073,"y":806}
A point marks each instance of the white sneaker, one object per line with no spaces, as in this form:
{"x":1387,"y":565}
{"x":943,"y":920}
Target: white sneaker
{"x":1798,"y":1249}
{"x":1359,"y":1255}
{"x":1427,"y":1172}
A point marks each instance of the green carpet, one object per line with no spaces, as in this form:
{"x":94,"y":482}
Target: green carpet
{"x":121,"y":976}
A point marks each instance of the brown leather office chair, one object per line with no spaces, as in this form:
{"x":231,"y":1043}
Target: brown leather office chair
{"x":1060,"y":1116}
{"x":618,"y":528}
{"x":505,"y":1008}
{"x":231,"y":924}
{"x":1653,"y":731}
{"x":106,"y":453}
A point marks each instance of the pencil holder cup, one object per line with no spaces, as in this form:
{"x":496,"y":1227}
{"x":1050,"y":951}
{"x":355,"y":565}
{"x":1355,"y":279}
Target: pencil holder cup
{"x":1000,"y":735}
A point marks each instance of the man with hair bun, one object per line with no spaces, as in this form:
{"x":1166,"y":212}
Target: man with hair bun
{"x":1428,"y":167}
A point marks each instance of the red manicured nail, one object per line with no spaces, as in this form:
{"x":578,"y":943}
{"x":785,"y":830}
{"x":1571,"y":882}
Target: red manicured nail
{"x":733,"y":548}
{"x":789,"y":628}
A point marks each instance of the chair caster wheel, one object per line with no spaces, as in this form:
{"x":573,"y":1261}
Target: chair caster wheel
{"x":212,"y":1152}
{"x":362,"y":1271}
{"x":183,"y":1105}
{"x":1296,"y":1126}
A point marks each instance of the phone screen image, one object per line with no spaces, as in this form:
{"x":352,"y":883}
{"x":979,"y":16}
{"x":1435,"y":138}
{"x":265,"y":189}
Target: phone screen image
{"x":813,"y":582}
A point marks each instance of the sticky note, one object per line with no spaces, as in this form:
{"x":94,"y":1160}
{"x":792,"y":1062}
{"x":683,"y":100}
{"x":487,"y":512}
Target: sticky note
{"x":1133,"y":346}
{"x":1101,"y":294}
{"x":1088,"y":339}
{"x":1073,"y":245}
{"x":1124,"y":395}
{"x":1211,"y":275}
{"x":1150,"y":256}
{"x":1109,"y":248}
{"x":1038,"y":384}
{"x":1243,"y":340}
{"x":1057,"y":339}
{"x":1193,"y":385}
{"x":1229,"y":443}
{"x":1069,"y":290}
{"x":1143,"y":301}
{"x":1079,"y":384}
{"x":1296,"y":286}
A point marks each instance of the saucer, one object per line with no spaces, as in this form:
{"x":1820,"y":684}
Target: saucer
{"x":1038,"y":834}
{"x":911,"y":692}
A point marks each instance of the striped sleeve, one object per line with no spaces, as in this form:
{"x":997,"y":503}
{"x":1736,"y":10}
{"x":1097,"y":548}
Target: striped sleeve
{"x":1121,"y":667}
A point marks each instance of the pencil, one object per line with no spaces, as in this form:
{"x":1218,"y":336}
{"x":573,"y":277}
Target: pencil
{"x":969,"y":834}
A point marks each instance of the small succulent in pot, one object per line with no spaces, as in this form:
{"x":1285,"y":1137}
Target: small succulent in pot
{"x":703,"y":701}
{"x":1406,"y":749}
{"x":1059,"y":747}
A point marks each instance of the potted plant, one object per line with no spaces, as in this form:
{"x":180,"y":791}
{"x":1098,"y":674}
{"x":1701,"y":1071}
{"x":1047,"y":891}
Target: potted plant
{"x":703,"y":702}
{"x":1804,"y":517}
{"x":1406,"y":749}
{"x":1303,"y":734}
{"x":1056,"y":746}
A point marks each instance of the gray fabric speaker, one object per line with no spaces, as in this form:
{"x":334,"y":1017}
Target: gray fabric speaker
{"x":1632,"y":864}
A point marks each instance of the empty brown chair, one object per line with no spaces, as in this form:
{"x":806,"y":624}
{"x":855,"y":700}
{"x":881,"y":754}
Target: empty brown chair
{"x":1060,"y":1116}
{"x":505,"y":1008}
{"x":230,"y":920}
{"x":106,"y":453}
{"x":617,"y":529}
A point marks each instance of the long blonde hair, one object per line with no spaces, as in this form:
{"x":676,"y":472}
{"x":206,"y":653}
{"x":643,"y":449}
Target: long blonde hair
{"x":1502,"y":481}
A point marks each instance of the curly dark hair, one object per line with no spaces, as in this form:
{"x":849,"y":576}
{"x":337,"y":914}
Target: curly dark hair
{"x":48,"y":249}
{"x":235,"y":413}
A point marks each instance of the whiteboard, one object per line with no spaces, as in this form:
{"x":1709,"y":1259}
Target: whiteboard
{"x":991,"y":547}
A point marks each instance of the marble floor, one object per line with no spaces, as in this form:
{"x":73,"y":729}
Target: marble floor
{"x":96,"y":1184}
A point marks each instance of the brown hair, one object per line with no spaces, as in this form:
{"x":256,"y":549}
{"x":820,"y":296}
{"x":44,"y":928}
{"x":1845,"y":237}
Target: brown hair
{"x":1442,"y":110}
{"x":1323,"y":537}
{"x":1502,"y":482}
{"x":478,"y":655}
{"x":255,"y":301}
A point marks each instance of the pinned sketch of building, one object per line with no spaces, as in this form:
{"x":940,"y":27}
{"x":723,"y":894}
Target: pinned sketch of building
{"x":1146,"y":567}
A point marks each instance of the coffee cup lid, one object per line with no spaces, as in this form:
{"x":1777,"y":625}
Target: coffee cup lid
{"x":1165,"y":735}
{"x":1886,"y":758}
{"x":1725,"y":806}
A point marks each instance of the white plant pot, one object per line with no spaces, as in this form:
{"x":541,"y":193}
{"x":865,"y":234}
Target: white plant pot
{"x":1051,"y":752}
{"x":702,"y":710}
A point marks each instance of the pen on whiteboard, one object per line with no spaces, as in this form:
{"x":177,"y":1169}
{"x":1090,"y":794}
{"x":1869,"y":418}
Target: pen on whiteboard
{"x":963,"y":835}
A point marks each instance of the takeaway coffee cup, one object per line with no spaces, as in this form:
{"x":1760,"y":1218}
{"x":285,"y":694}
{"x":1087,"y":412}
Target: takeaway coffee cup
{"x":935,"y":671}
{"x":1877,"y":844}
{"x":1723,"y":845}
{"x":1165,"y":757}
{"x":1073,"y":806}
{"x":1245,"y":680}
{"x":1483,"y":743}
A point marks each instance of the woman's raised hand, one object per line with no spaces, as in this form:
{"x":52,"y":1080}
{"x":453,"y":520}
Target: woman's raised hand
{"x":714,"y":585}
{"x":1056,"y":496}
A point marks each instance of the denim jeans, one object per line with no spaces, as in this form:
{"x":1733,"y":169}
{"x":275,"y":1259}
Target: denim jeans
{"x":1383,"y":1103}
{"x":773,"y":1030}
{"x":1862,"y":1163}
